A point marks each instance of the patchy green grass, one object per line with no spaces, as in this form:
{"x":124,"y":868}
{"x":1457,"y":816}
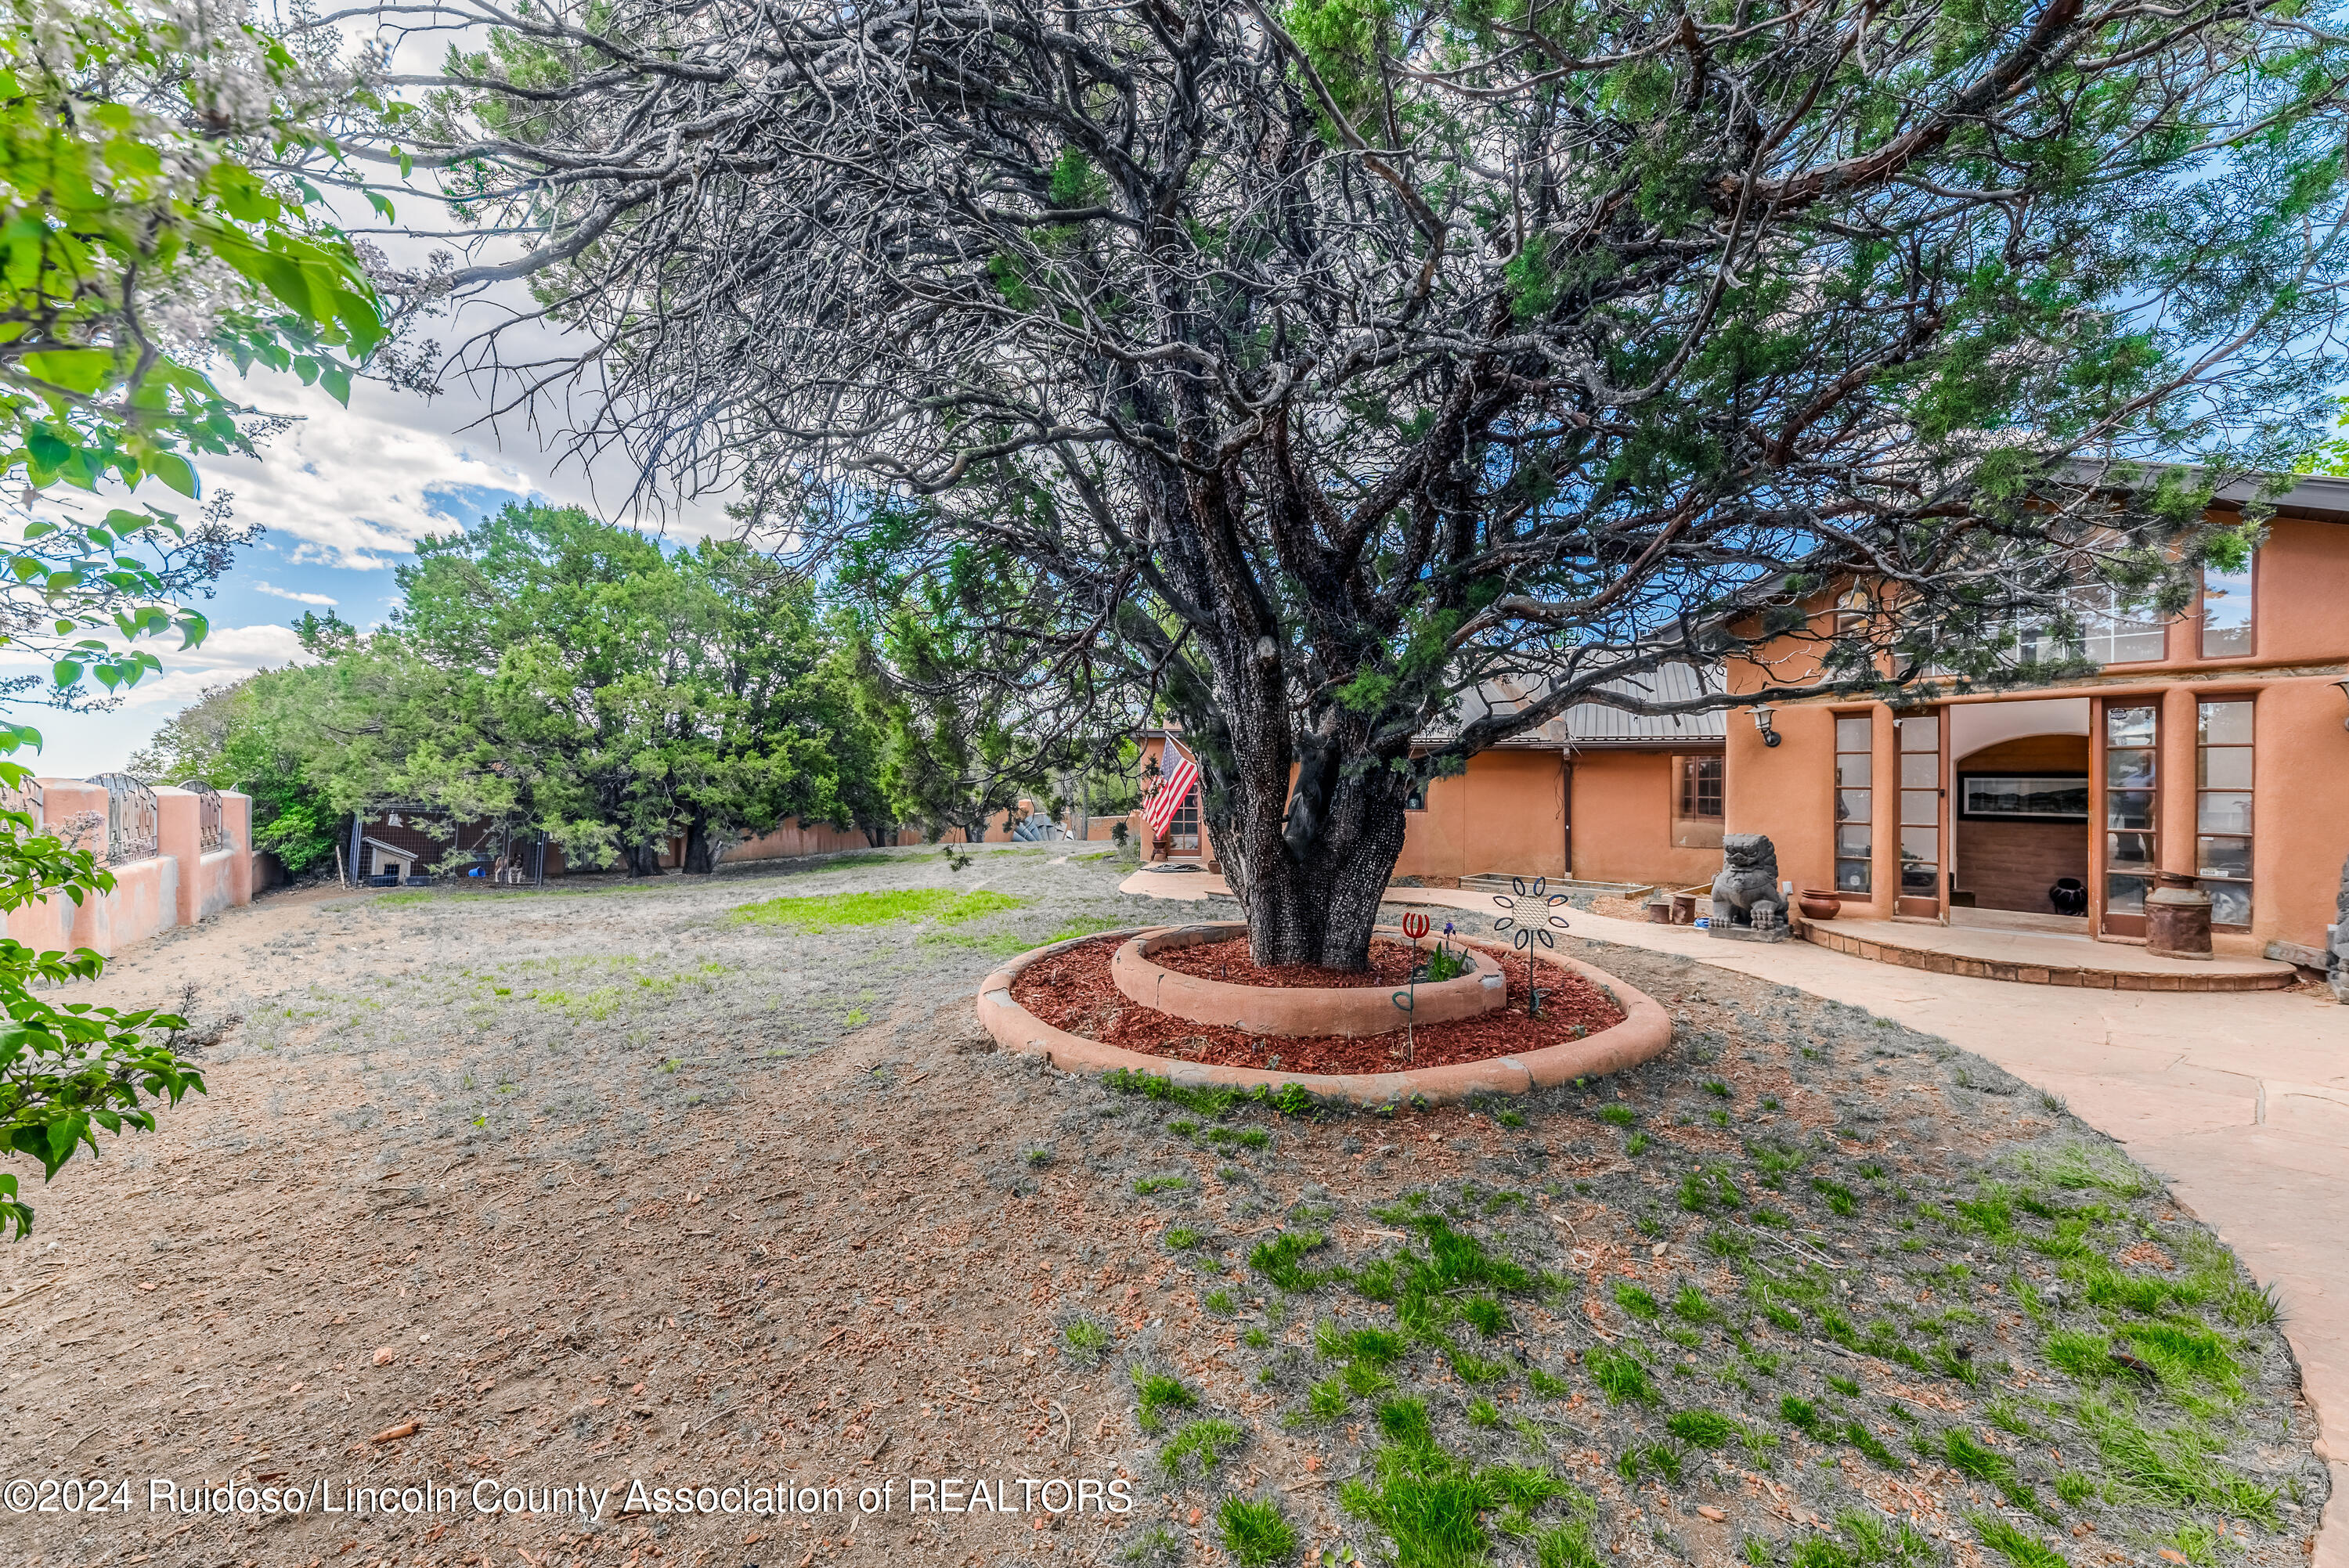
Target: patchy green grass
{"x":1256,"y":1532}
{"x":1619,"y":1374}
{"x":1156,"y":1394}
{"x":1206,"y":1440}
{"x":2020,"y":1549}
{"x":846,"y":910}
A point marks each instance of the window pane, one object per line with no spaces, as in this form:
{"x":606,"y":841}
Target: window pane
{"x":1852,"y":769}
{"x":2226,"y":723}
{"x":1851,"y":805}
{"x":1854,"y":732}
{"x":1852,"y":843}
{"x":2124,"y":896}
{"x":1851,"y":876}
{"x":1921,"y":844}
{"x":2128,"y":725}
{"x":2132,"y":648}
{"x":1919,"y":808}
{"x":1920,"y":770}
{"x":2129,"y":851}
{"x":2230,"y":902}
{"x":2226,"y":613}
{"x":1920,"y":880}
{"x":2224,"y":811}
{"x":2128,"y":809}
{"x":2226,"y":768}
{"x":2222,"y":857}
{"x":2125,"y":766}
{"x":1921,"y":734}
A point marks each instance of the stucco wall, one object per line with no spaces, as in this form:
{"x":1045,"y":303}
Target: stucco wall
{"x":214,"y":883}
{"x":2299,"y":808}
{"x":1623,"y":804}
{"x":144,"y":903}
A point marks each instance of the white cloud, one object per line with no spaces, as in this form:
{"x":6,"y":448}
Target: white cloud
{"x":352,"y":486}
{"x":276,"y":591}
{"x":227,"y":653}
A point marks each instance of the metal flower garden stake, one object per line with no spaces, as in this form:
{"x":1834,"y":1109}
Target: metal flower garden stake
{"x":1530,"y":928}
{"x":1415,"y":925}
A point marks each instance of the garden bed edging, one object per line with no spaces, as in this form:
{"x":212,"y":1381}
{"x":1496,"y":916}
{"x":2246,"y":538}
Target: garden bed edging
{"x":1644,"y":1032}
{"x":1354,"y":1012}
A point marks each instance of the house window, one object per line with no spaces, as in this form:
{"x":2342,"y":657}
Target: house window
{"x":1701,"y":787}
{"x":2226,"y":612}
{"x":2132,"y":749}
{"x":1921,"y":808}
{"x":2222,"y":808}
{"x":2112,"y":632}
{"x":1854,"y":757}
{"x":1417,"y":800}
{"x":1183,"y":831}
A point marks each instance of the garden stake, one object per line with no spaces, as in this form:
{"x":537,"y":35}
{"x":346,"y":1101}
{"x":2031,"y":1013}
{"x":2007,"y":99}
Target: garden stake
{"x":1527,"y":933}
{"x":1415,"y":925}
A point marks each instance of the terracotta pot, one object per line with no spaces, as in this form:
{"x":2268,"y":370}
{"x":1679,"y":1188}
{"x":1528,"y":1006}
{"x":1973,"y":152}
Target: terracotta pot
{"x":1818,"y":904}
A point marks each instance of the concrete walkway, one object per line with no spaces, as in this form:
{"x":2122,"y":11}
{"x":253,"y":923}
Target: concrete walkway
{"x":2241,"y":1101}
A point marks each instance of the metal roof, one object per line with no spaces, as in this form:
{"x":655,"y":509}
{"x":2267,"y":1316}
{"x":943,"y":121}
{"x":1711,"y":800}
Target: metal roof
{"x":1596,"y":723}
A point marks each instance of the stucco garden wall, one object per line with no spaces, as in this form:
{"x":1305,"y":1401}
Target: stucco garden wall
{"x":150,"y":895}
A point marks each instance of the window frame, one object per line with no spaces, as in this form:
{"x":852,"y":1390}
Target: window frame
{"x":1688,"y":793}
{"x":2202,"y":749}
{"x":1866,"y":886}
{"x":2250,"y":619}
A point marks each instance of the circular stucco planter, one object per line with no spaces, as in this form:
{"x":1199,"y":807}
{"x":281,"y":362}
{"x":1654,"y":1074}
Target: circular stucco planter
{"x":1643,"y":1033}
{"x":1296,"y":1010}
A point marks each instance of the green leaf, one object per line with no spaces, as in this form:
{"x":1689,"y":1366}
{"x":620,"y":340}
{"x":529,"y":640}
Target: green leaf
{"x":66,"y":672}
{"x":173,"y":470}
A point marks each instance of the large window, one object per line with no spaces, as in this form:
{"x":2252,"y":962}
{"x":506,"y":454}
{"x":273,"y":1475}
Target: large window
{"x":2131,"y":747}
{"x":2226,"y":612}
{"x":2111,"y":632}
{"x":1854,"y":758}
{"x":1701,"y":787}
{"x":1920,"y":809}
{"x":2222,"y":807}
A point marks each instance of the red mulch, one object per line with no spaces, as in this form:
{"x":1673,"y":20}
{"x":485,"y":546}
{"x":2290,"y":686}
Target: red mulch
{"x":1390,"y":964}
{"x":1072,"y":990}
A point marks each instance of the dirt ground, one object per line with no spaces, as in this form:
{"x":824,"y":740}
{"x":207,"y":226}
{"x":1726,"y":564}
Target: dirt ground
{"x":602,"y":1190}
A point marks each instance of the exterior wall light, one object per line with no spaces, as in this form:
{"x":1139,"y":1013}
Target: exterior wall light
{"x":1771,"y":737}
{"x":2343,"y":684}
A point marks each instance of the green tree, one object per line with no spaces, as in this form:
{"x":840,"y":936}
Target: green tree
{"x":135,"y":246}
{"x":563,"y":673}
{"x":1308,"y":369}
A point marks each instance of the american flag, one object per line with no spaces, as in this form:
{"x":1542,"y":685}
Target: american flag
{"x":1175,"y":783}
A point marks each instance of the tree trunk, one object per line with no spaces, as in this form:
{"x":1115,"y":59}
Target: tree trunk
{"x":643,"y":860}
{"x":698,"y":858}
{"x":1314,"y":860}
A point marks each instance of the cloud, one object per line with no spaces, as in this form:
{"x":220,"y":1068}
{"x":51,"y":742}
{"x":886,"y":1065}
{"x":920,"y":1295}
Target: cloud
{"x":229,"y":654}
{"x":276,"y":591}
{"x":351,"y":487}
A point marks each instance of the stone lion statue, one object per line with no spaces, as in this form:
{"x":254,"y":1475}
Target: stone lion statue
{"x":1748,"y":882}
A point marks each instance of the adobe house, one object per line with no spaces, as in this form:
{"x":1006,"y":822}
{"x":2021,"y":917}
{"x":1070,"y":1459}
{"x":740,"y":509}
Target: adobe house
{"x":2210,"y":747}
{"x":1596,"y":794}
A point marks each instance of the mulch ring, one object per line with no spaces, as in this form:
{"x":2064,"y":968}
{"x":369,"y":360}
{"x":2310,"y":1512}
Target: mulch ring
{"x":1072,"y":990}
{"x":1390,"y":964}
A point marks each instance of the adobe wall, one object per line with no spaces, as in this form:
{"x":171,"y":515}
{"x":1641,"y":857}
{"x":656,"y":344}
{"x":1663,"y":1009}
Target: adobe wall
{"x":1624,"y":831}
{"x":150,"y":896}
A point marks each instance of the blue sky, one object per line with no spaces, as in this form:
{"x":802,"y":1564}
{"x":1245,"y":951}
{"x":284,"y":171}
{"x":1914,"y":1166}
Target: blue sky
{"x":344,"y":495}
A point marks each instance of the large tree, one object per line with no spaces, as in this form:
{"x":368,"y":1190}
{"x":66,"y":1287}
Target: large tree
{"x":574,"y":676}
{"x":1303,"y":367}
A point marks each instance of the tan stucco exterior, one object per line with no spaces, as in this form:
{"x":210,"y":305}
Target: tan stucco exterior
{"x":2299,"y":788}
{"x":1508,"y":813}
